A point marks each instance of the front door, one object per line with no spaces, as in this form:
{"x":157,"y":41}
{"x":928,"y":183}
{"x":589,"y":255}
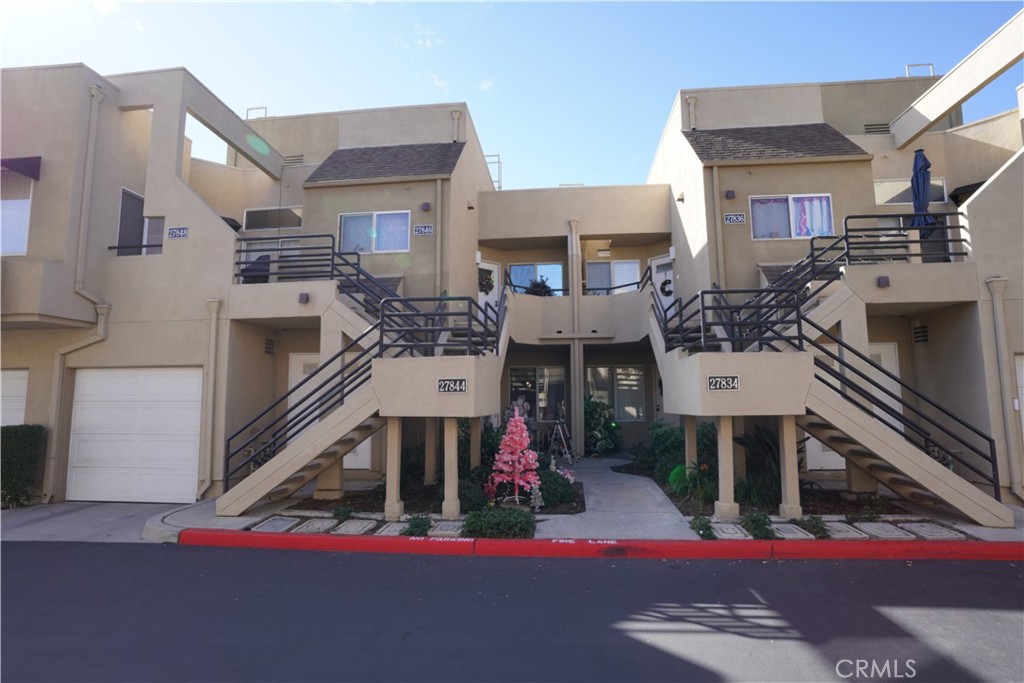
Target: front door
{"x":663,"y":279}
{"x":819,"y":455}
{"x":488,"y":283}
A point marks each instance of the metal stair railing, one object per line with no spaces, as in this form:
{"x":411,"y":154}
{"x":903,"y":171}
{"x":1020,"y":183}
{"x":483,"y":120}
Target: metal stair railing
{"x":320,"y":392}
{"x":953,"y":446}
{"x":457,"y":323}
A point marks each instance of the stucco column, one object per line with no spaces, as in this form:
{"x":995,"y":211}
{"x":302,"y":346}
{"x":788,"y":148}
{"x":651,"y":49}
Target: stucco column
{"x":853,"y":330}
{"x":690,"y":437}
{"x":997,"y":286}
{"x":450,"y":507}
{"x":474,"y":443}
{"x":430,"y":452}
{"x":789,"y":466}
{"x":330,"y":483}
{"x":393,"y":505}
{"x":726,"y":508}
{"x":577,"y":393}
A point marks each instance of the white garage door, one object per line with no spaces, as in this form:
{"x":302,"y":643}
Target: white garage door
{"x":135,"y":435}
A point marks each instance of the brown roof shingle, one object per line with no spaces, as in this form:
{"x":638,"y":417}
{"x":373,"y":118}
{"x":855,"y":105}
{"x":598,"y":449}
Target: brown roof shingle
{"x":803,"y":141}
{"x":360,"y":163}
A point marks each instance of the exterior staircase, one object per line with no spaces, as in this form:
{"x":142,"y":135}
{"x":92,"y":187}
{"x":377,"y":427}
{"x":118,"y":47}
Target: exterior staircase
{"x":920,"y":451}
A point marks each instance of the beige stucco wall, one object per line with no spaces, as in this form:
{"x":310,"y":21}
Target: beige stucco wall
{"x":849,"y":183}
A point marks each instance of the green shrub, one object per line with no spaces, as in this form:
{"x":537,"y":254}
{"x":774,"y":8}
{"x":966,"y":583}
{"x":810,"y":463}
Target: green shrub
{"x":643,"y":456}
{"x":707,"y":446}
{"x":471,"y":496}
{"x":600,"y":432}
{"x":813,"y":525}
{"x":702,"y":525}
{"x":418,"y":525}
{"x":758,"y":525}
{"x":500,"y":523}
{"x":678,"y":481}
{"x":555,"y":488}
{"x":20,"y":462}
{"x":669,"y":445}
{"x":342,"y":513}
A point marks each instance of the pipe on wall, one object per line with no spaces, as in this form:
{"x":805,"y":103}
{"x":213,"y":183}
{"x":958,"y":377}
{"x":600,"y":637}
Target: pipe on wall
{"x":437,"y":237}
{"x":996,"y":286}
{"x":719,"y":242}
{"x":210,"y":391}
{"x":96,"y":96}
{"x":57,"y":398}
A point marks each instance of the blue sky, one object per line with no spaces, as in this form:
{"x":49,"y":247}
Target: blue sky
{"x":564,"y":92}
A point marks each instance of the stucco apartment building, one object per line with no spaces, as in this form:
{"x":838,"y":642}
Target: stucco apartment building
{"x":349,"y":283}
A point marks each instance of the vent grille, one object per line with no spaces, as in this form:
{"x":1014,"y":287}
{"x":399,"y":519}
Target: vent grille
{"x":269,"y":346}
{"x":298,"y":159}
{"x":876,"y":128}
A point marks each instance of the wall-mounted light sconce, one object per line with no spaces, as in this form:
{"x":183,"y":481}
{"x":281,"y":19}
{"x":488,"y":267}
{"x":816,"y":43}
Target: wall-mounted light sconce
{"x":469,"y":205}
{"x":671,"y":252}
{"x":303,"y":297}
{"x":425,"y":206}
{"x":882,"y":281}
{"x":479,"y":258}
{"x":680,"y":198}
{"x":730,"y":194}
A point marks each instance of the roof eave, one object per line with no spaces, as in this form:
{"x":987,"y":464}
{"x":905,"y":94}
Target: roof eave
{"x":388,"y":180}
{"x":797,"y":160}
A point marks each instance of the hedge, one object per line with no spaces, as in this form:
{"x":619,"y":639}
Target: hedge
{"x":21,"y":453}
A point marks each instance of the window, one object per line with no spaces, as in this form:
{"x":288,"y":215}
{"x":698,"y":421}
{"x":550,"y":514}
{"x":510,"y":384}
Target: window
{"x":539,"y":392}
{"x":522,"y":274}
{"x":374,"y":233}
{"x":612,"y":277}
{"x":281,"y":217}
{"x":14,"y":214}
{"x":897,"y":191}
{"x":137,"y":234}
{"x":621,"y":387}
{"x":791,"y":216}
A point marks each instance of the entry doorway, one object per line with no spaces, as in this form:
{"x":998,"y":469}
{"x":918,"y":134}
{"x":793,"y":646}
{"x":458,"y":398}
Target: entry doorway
{"x":488,"y":283}
{"x":819,"y":455}
{"x":663,"y":279}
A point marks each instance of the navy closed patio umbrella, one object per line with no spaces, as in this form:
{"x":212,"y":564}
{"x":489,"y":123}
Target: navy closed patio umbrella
{"x":920,"y":190}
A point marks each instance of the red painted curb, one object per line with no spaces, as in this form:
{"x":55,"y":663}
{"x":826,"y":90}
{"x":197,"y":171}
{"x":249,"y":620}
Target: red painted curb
{"x":592,"y":548}
{"x":325,"y":542}
{"x":596,"y":548}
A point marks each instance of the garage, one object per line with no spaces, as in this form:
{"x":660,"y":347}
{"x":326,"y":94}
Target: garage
{"x":135,"y":435}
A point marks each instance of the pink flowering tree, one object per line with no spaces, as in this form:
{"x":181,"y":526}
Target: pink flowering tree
{"x":515,"y":463}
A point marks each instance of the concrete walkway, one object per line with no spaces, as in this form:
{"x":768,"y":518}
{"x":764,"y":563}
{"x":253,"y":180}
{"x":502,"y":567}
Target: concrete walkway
{"x":619,"y":506}
{"x":89,"y":522}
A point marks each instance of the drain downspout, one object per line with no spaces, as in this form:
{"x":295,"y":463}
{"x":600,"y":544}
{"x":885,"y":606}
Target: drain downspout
{"x":57,"y":398}
{"x":210,"y":386}
{"x":719,"y":251}
{"x":96,"y":96}
{"x":996,"y":286}
{"x":437,"y":237}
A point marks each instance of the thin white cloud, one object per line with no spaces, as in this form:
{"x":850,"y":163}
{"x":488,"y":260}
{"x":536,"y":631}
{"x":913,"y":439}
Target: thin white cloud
{"x":439,"y":82}
{"x":486,"y":84}
{"x":105,"y":6}
{"x":138,"y":26}
{"x":428,"y":38}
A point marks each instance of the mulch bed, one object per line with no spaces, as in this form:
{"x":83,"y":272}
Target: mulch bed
{"x":422,"y":500}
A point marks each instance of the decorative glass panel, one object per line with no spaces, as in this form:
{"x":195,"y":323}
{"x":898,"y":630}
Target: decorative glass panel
{"x":393,"y":231}
{"x":357,"y":233}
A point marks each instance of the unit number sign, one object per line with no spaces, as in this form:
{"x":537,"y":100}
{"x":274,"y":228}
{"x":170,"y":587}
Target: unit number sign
{"x":723,"y":382}
{"x":451,"y":386}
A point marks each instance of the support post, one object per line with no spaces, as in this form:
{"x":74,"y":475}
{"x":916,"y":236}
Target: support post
{"x":394,"y":508}
{"x":854,"y":331}
{"x":726,"y":508}
{"x":330,"y":483}
{"x":789,"y":466}
{"x":430,"y":452}
{"x":450,"y":507}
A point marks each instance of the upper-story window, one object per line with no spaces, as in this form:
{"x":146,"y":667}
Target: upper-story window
{"x":612,"y":277}
{"x":14,"y":212}
{"x":138,"y":234}
{"x":792,"y":216}
{"x":382,"y":232}
{"x":279,"y":217}
{"x":523,"y":275}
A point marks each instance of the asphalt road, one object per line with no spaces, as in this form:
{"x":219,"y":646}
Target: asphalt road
{"x":127,"y":612}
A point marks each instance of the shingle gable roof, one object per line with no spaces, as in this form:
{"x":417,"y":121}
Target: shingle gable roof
{"x":803,"y":141}
{"x":360,"y":163}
